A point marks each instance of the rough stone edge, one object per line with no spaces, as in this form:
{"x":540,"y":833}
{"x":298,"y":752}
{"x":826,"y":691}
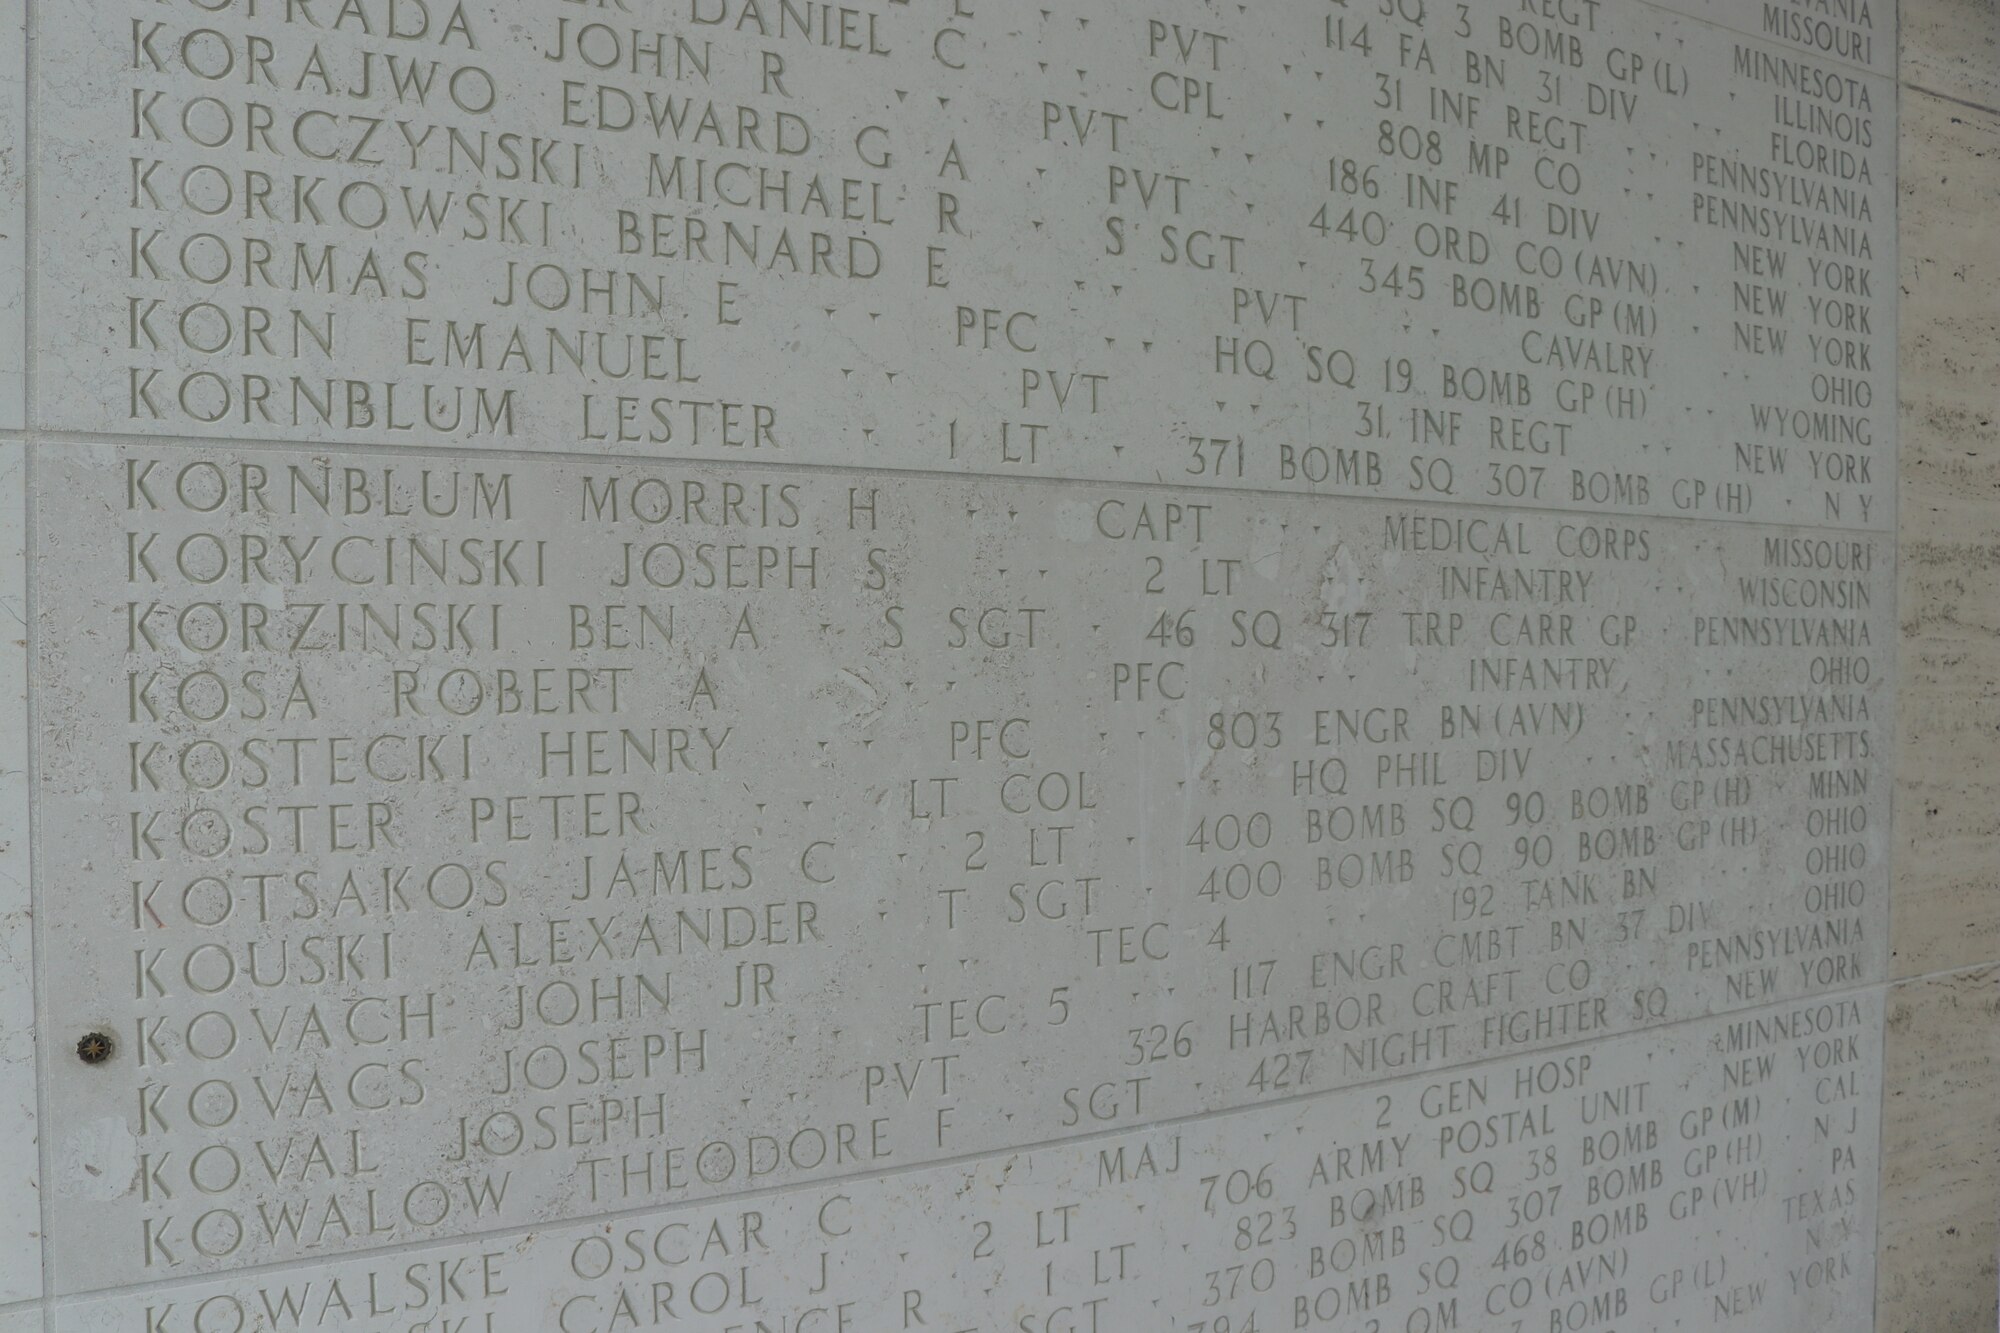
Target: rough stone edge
{"x":1939,"y":1225}
{"x":1916,"y":1095}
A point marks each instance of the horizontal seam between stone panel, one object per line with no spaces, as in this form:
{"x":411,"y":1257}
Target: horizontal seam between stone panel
{"x":1767,"y":40}
{"x":1966,"y":102}
{"x":1942,"y":972}
{"x":467,"y":453}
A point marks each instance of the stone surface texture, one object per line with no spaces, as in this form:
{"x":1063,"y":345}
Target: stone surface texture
{"x":1937,"y":1244}
{"x":1948,"y":802}
{"x":1940,"y":1228}
{"x":778,"y":665}
{"x":1951,"y":50}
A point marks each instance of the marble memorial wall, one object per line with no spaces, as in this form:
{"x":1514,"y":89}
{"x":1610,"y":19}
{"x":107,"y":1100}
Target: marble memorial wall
{"x":762,"y":666}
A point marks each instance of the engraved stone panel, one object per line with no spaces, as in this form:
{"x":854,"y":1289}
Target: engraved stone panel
{"x":750,"y":664}
{"x":518,"y":826}
{"x":1590,"y":256}
{"x":1694,"y":1200}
